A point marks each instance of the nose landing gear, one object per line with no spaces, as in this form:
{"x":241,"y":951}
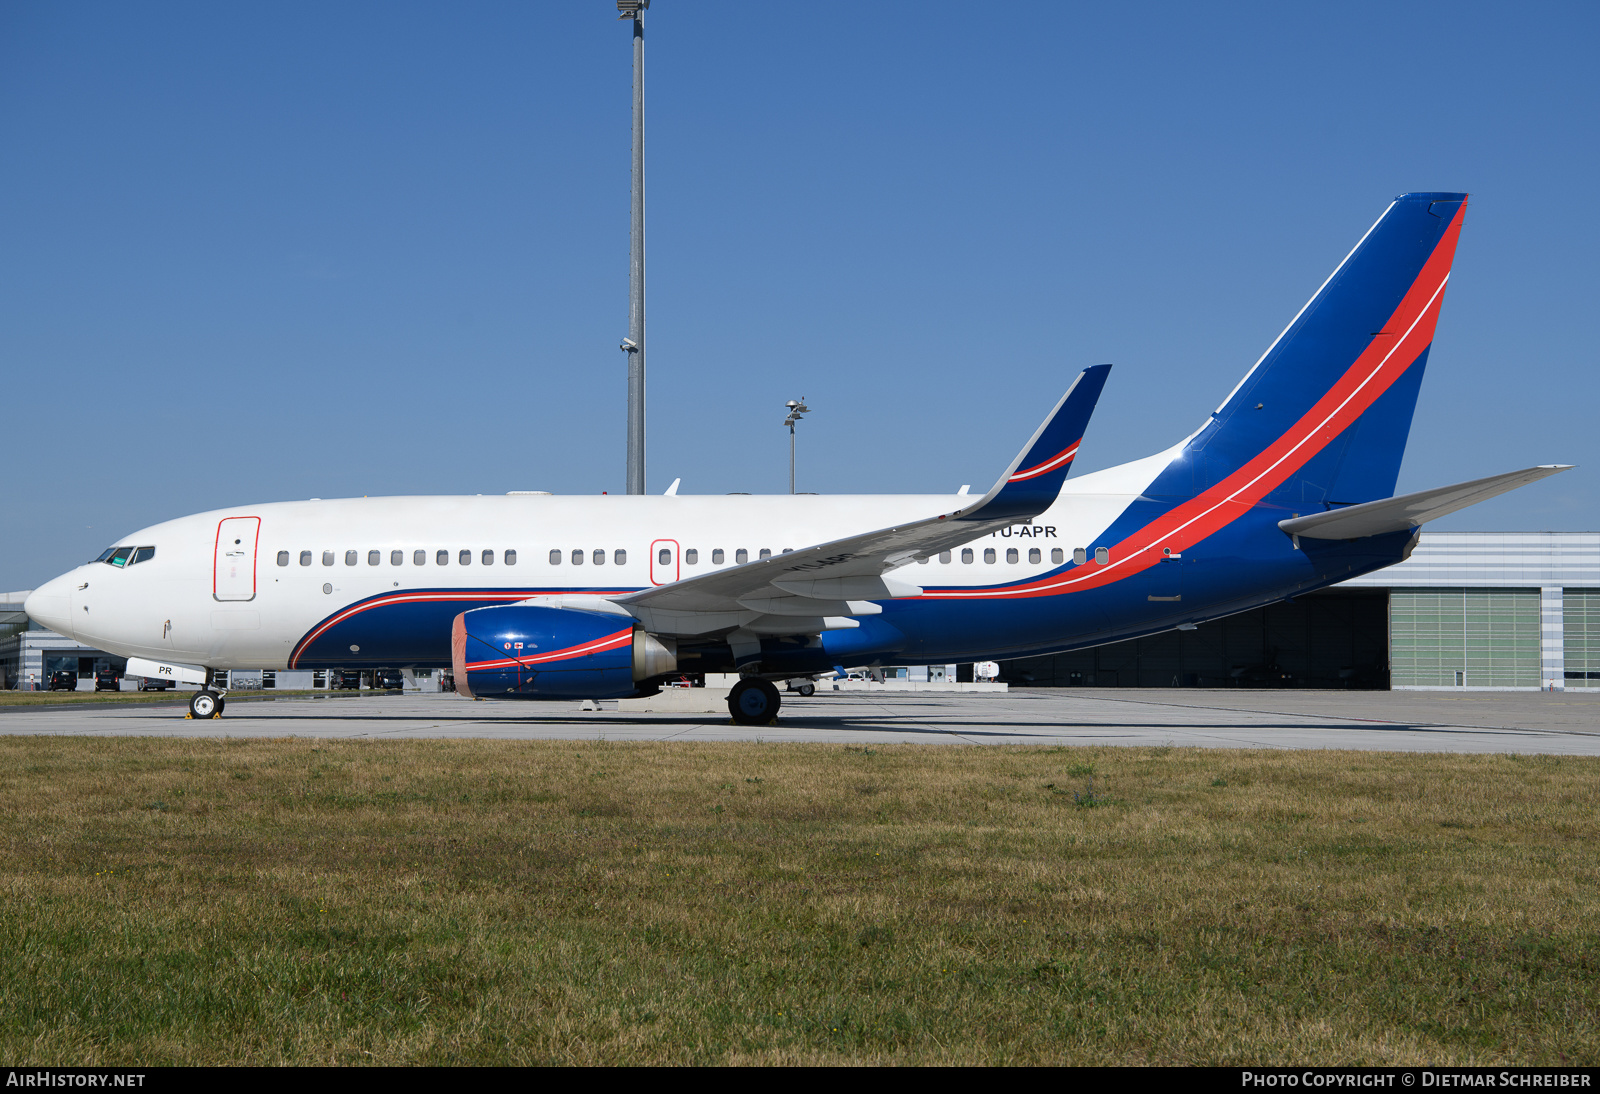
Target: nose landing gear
{"x":206,"y":704}
{"x":209,"y":700}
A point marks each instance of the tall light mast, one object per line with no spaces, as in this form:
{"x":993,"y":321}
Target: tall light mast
{"x":633,"y":345}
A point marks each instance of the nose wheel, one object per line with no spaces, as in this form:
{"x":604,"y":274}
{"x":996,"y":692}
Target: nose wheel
{"x":206,"y":704}
{"x":754,"y":703}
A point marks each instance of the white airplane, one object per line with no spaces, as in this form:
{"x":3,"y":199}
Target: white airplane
{"x":1285,"y":488}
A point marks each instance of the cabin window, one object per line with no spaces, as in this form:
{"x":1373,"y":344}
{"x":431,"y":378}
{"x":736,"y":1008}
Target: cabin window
{"x":577,"y":557}
{"x":717,"y":556}
{"x":741,"y":556}
{"x":1011,"y":554}
{"x":441,"y":558}
{"x":511,"y":558}
{"x":1079,"y":555}
{"x":283,"y":558}
{"x":488,"y":556}
{"x":305,"y":558}
{"x":555,"y":557}
{"x":692,"y":556}
{"x":766,"y":552}
{"x":465,"y":557}
{"x":397,"y":558}
{"x":944,"y":556}
{"x":1102,"y":555}
{"x":966,"y":554}
{"x":419,"y":557}
{"x":620,"y":557}
{"x":1034,"y":556}
{"x":374,"y":558}
{"x":790,"y":551}
{"x":664,"y":556}
{"x":350,"y":558}
{"x":1056,"y":555}
{"x":599,"y":558}
{"x":327,"y":558}
{"x":988,"y":554}
{"x":923,"y":561}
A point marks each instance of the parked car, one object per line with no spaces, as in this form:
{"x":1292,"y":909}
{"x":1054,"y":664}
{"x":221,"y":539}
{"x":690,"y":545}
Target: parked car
{"x":344,"y":681}
{"x":107,"y":680}
{"x":156,"y":683}
{"x":64,"y":680}
{"x":388,"y":680}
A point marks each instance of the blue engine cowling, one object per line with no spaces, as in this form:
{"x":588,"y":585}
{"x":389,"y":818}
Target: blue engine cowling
{"x":524,"y":651}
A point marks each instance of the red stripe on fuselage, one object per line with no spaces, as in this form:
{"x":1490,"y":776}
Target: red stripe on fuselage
{"x":430,"y":596}
{"x":1372,"y":373}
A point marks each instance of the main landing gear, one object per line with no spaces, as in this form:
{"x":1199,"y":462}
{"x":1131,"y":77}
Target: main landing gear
{"x":754,"y":703}
{"x":206,"y":704}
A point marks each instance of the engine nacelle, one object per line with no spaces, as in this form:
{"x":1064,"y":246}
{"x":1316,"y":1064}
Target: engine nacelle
{"x":522,"y":651}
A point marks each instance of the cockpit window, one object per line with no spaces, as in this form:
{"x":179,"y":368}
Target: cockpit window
{"x":120,"y":556}
{"x":144,"y":554}
{"x":105,"y":556}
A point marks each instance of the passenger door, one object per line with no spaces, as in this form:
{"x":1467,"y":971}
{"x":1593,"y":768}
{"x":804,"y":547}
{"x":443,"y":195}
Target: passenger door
{"x":233,"y":575}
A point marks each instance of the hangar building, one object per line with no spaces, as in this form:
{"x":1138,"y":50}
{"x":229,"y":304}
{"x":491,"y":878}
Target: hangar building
{"x":1472,"y":610}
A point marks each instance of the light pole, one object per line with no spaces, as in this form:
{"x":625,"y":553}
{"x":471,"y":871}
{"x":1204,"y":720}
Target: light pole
{"x":797,"y":410}
{"x":633,"y":345}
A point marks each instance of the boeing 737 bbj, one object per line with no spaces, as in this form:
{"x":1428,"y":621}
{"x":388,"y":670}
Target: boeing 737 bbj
{"x":1285,"y":488}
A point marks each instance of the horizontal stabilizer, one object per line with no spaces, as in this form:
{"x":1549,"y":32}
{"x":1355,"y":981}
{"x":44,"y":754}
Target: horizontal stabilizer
{"x":1408,"y":511}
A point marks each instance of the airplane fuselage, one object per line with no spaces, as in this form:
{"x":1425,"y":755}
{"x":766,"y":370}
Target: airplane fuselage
{"x":368,"y":582}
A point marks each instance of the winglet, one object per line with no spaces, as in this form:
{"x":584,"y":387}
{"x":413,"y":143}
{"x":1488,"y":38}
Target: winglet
{"x":1032,"y":482}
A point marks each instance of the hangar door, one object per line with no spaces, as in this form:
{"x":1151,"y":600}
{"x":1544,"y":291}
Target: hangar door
{"x":234,"y":572}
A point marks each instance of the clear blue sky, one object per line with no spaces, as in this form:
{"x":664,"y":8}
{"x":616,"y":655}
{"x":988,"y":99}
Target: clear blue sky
{"x":254,"y":253}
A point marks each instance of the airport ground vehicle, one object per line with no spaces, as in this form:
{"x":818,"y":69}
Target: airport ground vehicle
{"x":64,"y":680}
{"x":148,"y":683}
{"x":107,"y":680}
{"x":388,"y":680}
{"x":1284,"y":488}
{"x":344,"y":680}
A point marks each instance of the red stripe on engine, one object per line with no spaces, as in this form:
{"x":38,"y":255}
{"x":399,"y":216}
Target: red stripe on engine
{"x":598,"y":645}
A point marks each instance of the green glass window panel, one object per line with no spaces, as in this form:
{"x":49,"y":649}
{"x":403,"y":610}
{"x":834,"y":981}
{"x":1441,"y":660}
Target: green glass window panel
{"x":1492,"y":635}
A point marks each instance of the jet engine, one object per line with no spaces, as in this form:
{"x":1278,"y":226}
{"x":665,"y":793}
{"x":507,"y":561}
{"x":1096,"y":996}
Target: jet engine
{"x":524,"y":651}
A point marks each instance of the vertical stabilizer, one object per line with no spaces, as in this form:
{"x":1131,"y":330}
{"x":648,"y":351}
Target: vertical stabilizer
{"x":1323,"y":417}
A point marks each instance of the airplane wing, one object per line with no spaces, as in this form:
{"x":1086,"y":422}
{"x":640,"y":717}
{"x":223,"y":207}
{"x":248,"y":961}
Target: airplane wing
{"x":822,"y":587}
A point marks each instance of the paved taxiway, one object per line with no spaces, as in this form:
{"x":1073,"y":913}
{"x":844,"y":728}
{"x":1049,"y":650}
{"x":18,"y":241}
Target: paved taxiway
{"x":1525,"y":722}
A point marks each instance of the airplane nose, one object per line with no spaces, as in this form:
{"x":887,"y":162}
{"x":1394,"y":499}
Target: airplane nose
{"x":50,"y":605}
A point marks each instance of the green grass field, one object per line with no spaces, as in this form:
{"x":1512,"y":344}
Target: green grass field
{"x":177,"y":901}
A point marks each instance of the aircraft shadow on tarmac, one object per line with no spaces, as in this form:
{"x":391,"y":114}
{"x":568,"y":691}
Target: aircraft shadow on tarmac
{"x":885,"y":723}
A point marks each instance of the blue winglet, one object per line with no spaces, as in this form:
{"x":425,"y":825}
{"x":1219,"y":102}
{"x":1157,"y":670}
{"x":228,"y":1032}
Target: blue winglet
{"x":1030,"y":485}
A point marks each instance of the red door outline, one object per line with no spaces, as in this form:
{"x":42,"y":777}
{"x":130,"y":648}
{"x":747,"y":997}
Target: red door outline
{"x":660,"y":575}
